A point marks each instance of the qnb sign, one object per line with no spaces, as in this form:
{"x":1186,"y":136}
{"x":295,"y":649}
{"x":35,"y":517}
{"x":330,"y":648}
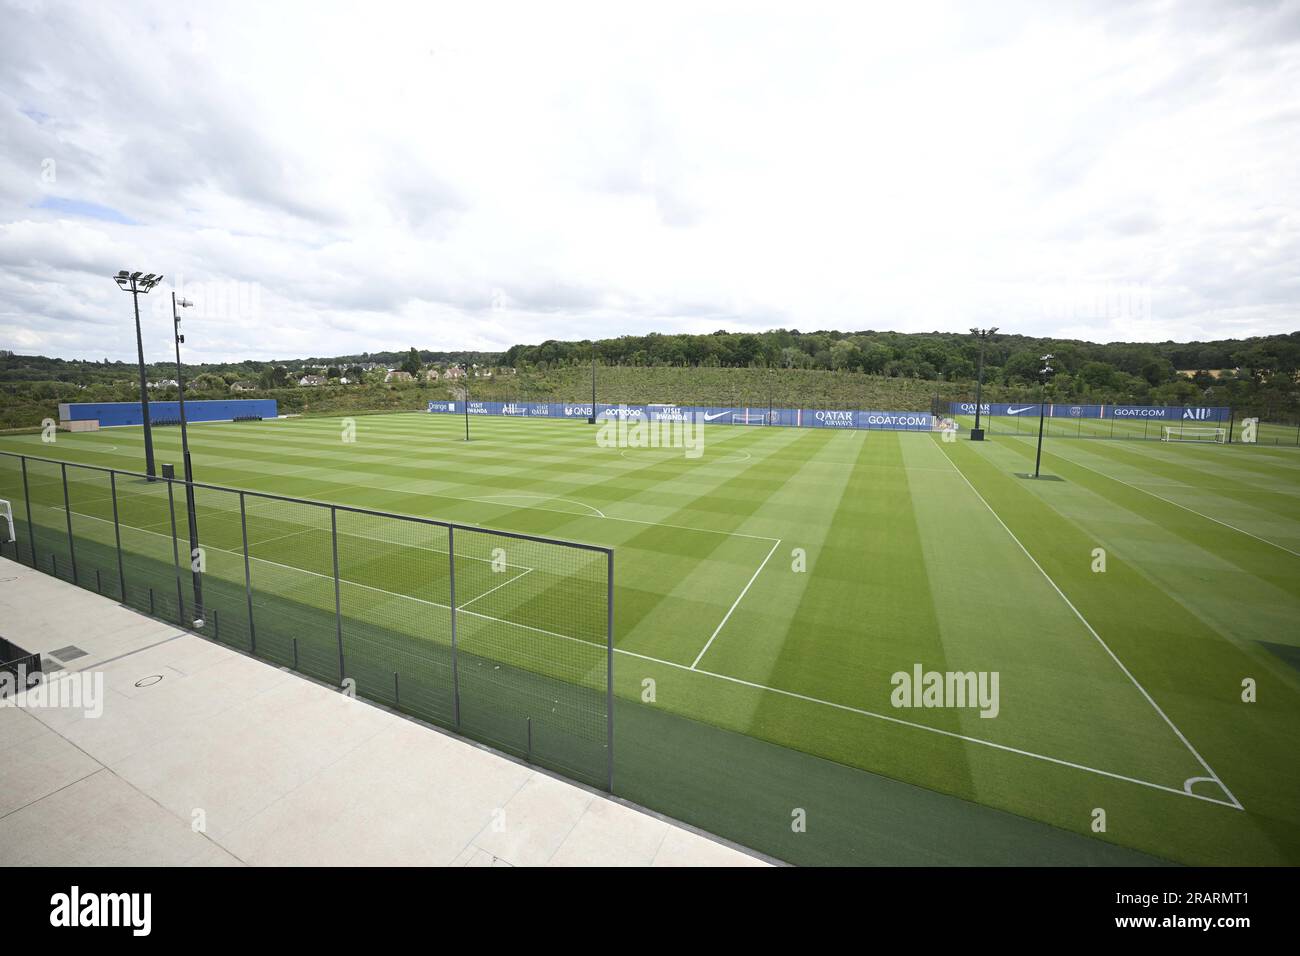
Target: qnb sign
{"x":573,"y":411}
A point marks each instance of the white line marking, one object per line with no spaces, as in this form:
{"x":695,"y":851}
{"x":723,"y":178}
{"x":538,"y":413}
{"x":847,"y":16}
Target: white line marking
{"x":1177,"y":505}
{"x":775,"y":690}
{"x":1093,"y":632}
{"x":580,"y":504}
{"x":735,"y":604}
{"x":607,"y":517}
{"x":230,"y":515}
{"x":490,"y":590}
{"x":279,"y":537}
{"x":872,"y":714}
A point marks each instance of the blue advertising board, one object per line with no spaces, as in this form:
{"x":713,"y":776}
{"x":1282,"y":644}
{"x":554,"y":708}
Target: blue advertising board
{"x":109,"y":414}
{"x":1069,"y":410}
{"x":704,"y":414}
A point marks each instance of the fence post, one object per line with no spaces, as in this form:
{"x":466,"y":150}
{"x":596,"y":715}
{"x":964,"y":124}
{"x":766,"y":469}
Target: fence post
{"x":67,"y":513}
{"x":455,"y":675}
{"x":338,"y":604}
{"x":609,"y":667}
{"x":248,"y":576}
{"x":176,"y":554}
{"x":27,"y":500}
{"x":117,"y":538}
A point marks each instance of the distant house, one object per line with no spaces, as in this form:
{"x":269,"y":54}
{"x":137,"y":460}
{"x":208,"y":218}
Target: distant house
{"x":431,"y":374}
{"x":165,"y":383}
{"x":454,"y":371}
{"x":397,"y":375}
{"x":243,"y":387}
{"x":313,"y":380}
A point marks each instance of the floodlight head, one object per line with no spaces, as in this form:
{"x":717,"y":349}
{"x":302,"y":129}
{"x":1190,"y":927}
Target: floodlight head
{"x":184,"y":303}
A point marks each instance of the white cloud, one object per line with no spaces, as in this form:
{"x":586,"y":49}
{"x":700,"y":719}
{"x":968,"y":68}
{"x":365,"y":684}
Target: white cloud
{"x":476,"y":176}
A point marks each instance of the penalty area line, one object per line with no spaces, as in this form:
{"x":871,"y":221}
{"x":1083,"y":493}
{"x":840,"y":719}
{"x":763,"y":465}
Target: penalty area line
{"x":736,"y":603}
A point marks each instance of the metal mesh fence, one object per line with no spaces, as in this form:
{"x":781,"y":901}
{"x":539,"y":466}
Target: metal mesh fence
{"x":531,"y":636}
{"x":50,"y":538}
{"x":11,"y":490}
{"x":505,"y":638}
{"x":396,"y":620}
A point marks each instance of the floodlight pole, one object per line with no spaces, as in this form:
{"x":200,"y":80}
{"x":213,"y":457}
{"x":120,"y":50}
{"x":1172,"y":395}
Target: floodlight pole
{"x":977,"y":433}
{"x":465,"y":367}
{"x":128,"y":283}
{"x":591,"y":419}
{"x":189,"y":471}
{"x":1045,"y":373}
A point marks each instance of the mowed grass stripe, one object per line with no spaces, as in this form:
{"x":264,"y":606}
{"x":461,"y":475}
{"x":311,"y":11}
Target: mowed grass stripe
{"x":1192,"y":672}
{"x":1175,"y":479}
{"x":1063,"y":689}
{"x":865,"y":611}
{"x":1244,"y":600}
{"x":1225,"y":524}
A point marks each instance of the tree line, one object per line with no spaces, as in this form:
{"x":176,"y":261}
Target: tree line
{"x":1256,"y":376}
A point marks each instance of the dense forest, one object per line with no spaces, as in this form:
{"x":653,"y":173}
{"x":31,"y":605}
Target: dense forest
{"x":1257,"y":376}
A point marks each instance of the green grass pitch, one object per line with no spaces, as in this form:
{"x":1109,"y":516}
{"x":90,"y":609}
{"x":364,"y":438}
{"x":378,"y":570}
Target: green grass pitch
{"x":776,"y":584}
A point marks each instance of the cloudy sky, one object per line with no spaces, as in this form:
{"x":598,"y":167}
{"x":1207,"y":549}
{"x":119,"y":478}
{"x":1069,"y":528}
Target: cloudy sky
{"x":337,"y":178}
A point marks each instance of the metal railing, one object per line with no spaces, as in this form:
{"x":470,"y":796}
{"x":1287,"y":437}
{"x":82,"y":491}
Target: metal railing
{"x":500,"y":636}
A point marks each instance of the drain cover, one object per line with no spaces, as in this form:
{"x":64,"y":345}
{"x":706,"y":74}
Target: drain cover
{"x":69,"y":653}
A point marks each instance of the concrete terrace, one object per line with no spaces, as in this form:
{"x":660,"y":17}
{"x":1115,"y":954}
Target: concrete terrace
{"x":205,"y":757}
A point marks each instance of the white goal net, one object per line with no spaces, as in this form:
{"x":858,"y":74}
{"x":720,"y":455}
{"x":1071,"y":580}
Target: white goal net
{"x":1202,"y":433}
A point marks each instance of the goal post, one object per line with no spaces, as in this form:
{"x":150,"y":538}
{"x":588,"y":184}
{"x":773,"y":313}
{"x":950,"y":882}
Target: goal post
{"x":1198,"y":433}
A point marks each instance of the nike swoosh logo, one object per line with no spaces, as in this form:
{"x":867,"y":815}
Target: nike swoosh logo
{"x":709,"y":418}
{"x":1017,"y":411}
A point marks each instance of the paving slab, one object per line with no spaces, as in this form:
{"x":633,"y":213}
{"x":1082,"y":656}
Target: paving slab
{"x":202,"y":756}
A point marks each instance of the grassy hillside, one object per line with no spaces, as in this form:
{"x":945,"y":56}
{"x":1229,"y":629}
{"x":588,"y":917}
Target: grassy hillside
{"x":787,"y":388}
